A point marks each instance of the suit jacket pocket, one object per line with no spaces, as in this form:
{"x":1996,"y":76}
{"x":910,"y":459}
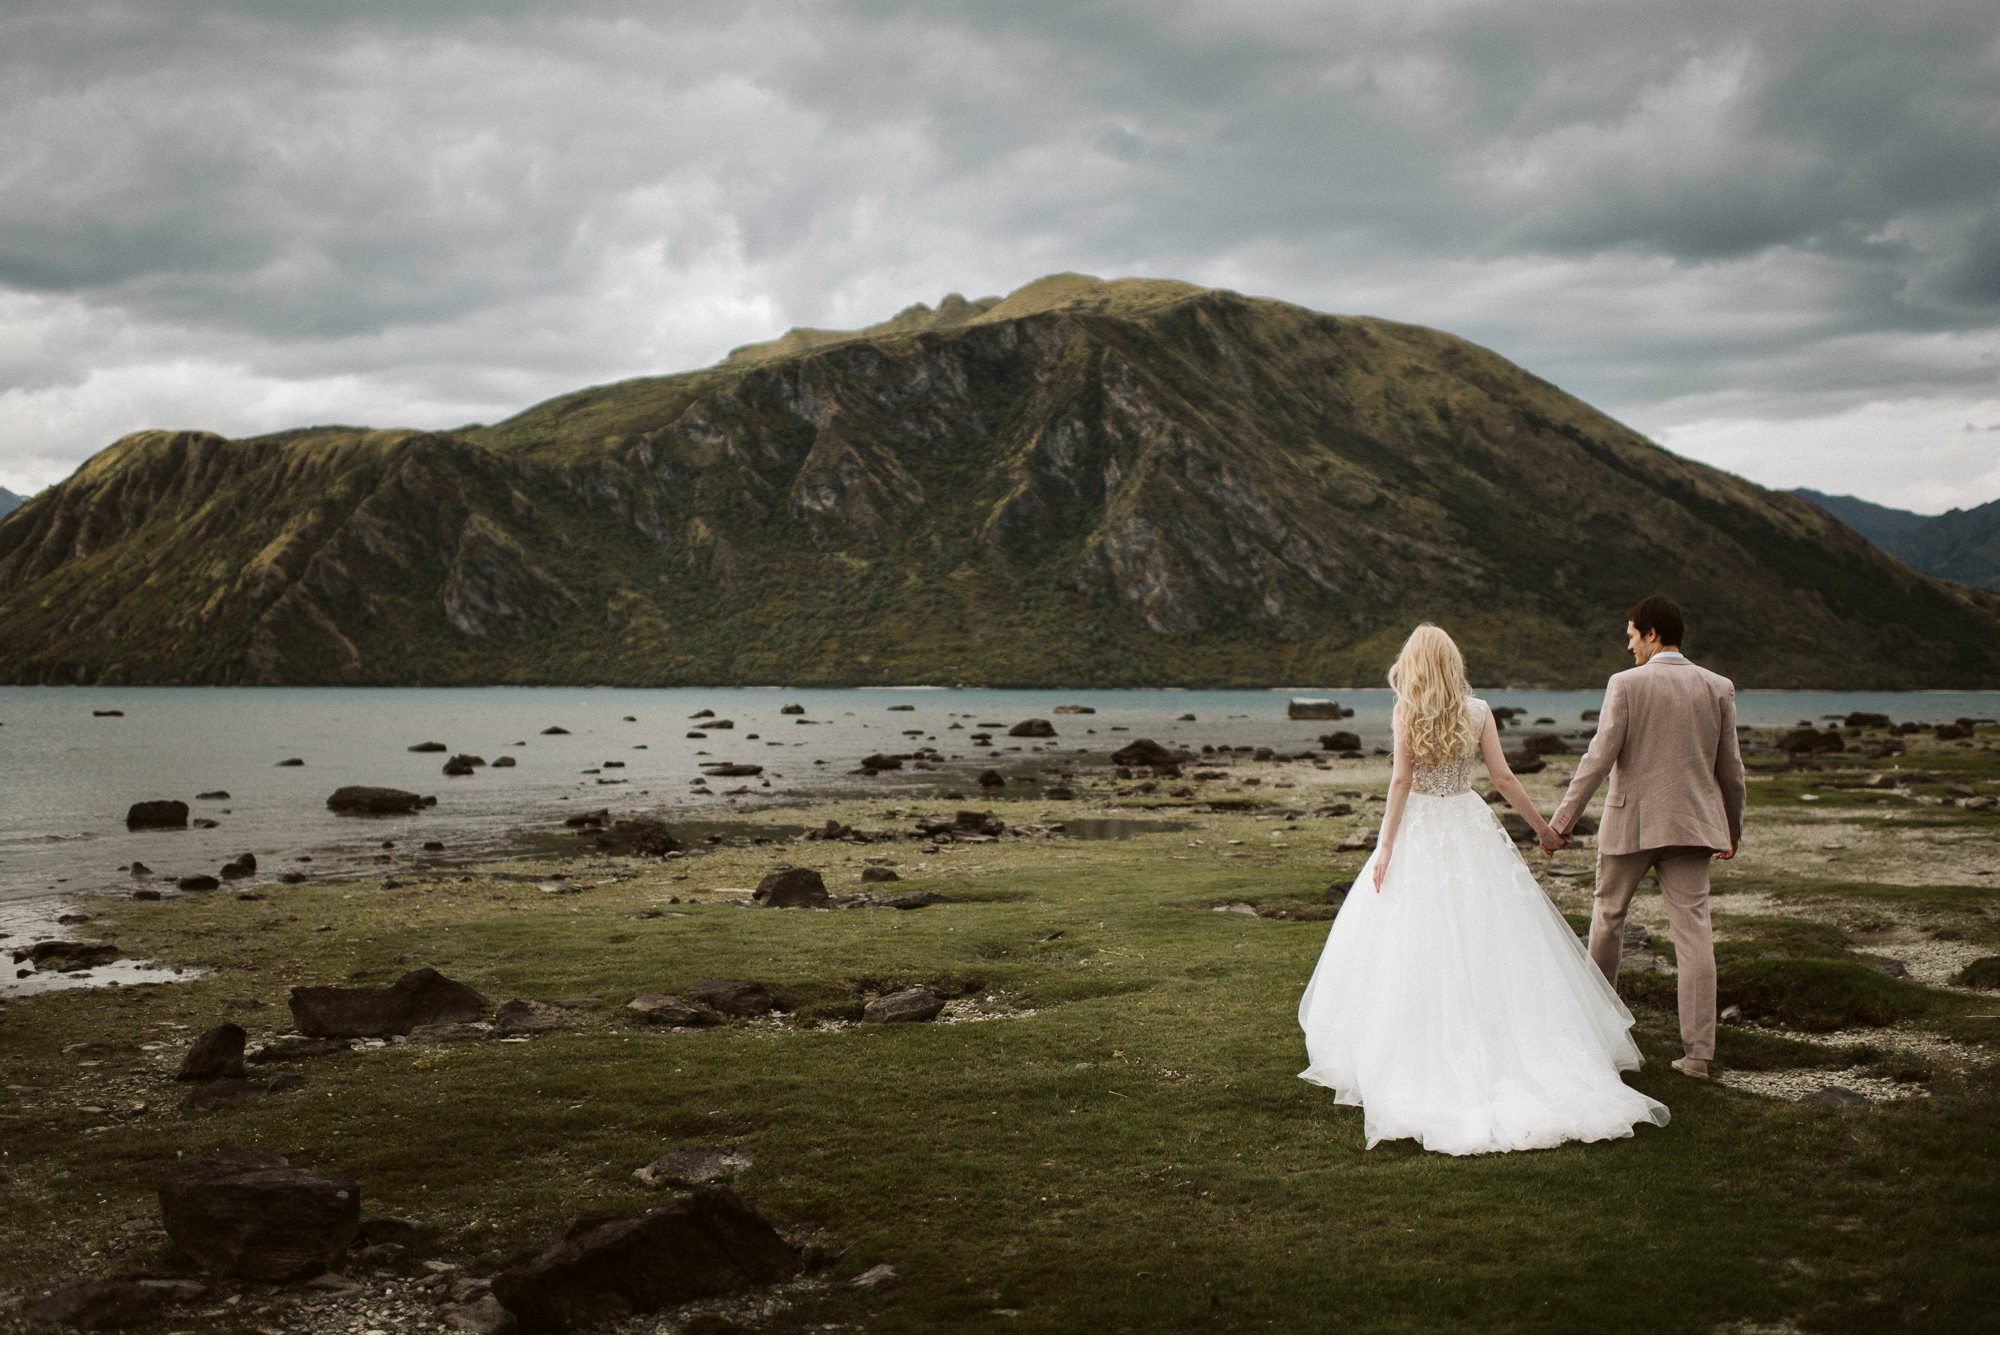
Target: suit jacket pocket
{"x":1614,"y":799}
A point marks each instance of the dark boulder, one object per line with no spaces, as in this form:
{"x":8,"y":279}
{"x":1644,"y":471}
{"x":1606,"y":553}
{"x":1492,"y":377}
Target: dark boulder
{"x":733,"y":770}
{"x":196,"y":884}
{"x":504,"y":761}
{"x":992,"y":778}
{"x":291,"y":763}
{"x":517,"y":1016}
{"x":377,"y":801}
{"x":218,"y":1052}
{"x":908,"y":1004}
{"x":1806,"y":740}
{"x":719,"y":724}
{"x":1952,"y":731}
{"x":92,"y":1305}
{"x":421,"y":997}
{"x":1340,"y":740}
{"x":243,"y":867}
{"x":589,"y":819}
{"x":691,"y":1168}
{"x":1144,"y":753}
{"x":1316,"y":709}
{"x":706,"y":1244}
{"x":791,"y":710}
{"x":731,"y":997}
{"x":1544,"y":743}
{"x":427,"y":747}
{"x":1037,"y":727}
{"x":639,"y":837}
{"x":978,"y":822}
{"x":212,"y":796}
{"x":554,"y":730}
{"x":1876,"y":720}
{"x":882,"y":763}
{"x":1843,"y":1098}
{"x":244,"y":1213}
{"x":157,"y":815}
{"x":461,"y":765}
{"x":1524,"y":763}
{"x":870,"y":874}
{"x":792,"y":888}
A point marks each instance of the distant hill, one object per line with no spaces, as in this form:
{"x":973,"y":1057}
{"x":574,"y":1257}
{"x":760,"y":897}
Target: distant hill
{"x":1094,"y":483}
{"x":1958,"y":545}
{"x":8,"y":501}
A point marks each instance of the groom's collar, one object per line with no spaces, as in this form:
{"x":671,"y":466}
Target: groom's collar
{"x":1667,"y":655}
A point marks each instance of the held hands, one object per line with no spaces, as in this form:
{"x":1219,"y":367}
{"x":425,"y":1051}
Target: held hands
{"x":1551,"y":839}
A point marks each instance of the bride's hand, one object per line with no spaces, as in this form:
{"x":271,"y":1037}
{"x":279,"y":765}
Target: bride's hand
{"x":1381,"y":867}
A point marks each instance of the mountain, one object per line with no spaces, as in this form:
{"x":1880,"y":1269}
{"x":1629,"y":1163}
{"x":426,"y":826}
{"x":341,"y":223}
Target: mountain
{"x":1958,"y":545}
{"x":1084,"y":483}
{"x":8,"y":501}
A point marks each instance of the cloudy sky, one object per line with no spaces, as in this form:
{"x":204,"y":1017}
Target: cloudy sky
{"x":1764,"y":232}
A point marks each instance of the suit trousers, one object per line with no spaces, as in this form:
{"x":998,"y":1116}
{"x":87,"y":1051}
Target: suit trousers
{"x":1683,"y":873}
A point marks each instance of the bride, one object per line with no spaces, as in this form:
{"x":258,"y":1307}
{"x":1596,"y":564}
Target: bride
{"x":1452,"y":1002}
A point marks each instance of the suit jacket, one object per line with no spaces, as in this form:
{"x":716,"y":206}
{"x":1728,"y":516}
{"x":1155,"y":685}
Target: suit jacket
{"x":1666,"y":735}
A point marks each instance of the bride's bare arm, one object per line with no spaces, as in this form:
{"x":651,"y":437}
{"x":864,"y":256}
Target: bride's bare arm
{"x":1399,"y":793}
{"x":1510,"y":786}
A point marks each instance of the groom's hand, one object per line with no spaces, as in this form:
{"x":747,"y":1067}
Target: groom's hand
{"x":1734,"y":844}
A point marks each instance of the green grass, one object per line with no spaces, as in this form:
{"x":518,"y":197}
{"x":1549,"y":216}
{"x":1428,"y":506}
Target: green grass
{"x":1138,"y":1154}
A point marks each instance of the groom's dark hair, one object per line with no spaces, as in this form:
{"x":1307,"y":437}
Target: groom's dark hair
{"x":1658,"y":615}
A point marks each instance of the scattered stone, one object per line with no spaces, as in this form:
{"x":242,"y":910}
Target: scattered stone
{"x":421,"y":997}
{"x":641,"y":836}
{"x":1143,"y":753}
{"x":243,"y":867}
{"x":1635,"y":950}
{"x":1035,"y":727}
{"x":1076,"y":710}
{"x":487,"y":1316}
{"x":1524,"y":763}
{"x":157,"y":815}
{"x":1313,"y":709}
{"x":427,"y":747}
{"x":1844,"y":1098}
{"x":732,"y":770}
{"x":908,"y":1004}
{"x":792,"y":710}
{"x":554,"y":730}
{"x":877,"y":1275}
{"x":218,"y":1052}
{"x":108,"y":712}
{"x":461,"y":765}
{"x":1806,"y":740}
{"x":91,"y":1305}
{"x":686,"y":1168}
{"x":882,"y":763}
{"x":705,"y":1244}
{"x":1981,"y":973}
{"x":1544,"y":743}
{"x":377,"y":801}
{"x":244,"y":1213}
{"x":291,"y":763}
{"x":212,"y":796}
{"x":504,"y":761}
{"x":792,"y":888}
{"x":1341,"y":742}
{"x":664,"y":1009}
{"x":870,"y":875}
{"x":992,"y":778}
{"x":517,"y":1016}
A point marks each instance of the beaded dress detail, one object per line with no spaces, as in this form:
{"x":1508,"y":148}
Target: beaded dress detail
{"x":1454,"y":1005}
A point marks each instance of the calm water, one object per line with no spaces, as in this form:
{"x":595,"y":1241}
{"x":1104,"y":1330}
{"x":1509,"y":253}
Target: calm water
{"x":67,"y":776}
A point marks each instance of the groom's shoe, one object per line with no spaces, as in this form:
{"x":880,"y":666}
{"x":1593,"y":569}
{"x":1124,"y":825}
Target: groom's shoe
{"x":1696,"y":1068}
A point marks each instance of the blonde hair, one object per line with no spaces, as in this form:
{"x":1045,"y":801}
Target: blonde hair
{"x":1429,"y":680}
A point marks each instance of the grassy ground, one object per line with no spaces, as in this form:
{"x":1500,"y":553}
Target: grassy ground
{"x":1124,"y":1145}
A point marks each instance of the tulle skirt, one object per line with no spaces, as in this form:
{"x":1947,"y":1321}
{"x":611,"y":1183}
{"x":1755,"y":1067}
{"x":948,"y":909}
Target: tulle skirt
{"x":1456,"y":1007}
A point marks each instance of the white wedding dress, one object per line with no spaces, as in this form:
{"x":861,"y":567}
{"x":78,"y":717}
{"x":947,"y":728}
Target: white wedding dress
{"x":1455,"y":1006}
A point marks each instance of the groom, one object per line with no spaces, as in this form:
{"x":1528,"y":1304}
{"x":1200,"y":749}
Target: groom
{"x":1667,"y":737}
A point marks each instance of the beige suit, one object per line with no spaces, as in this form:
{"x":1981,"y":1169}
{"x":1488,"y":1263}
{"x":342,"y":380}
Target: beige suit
{"x":1666,"y":736}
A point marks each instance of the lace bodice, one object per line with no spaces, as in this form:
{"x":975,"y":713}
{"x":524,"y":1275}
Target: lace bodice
{"x":1449,"y":779}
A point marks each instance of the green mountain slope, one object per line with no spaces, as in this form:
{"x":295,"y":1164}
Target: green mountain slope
{"x":8,"y":501}
{"x":1087,"y":482}
{"x":1960,"y":545}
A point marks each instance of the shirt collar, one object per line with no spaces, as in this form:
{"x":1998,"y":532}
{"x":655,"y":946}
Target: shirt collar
{"x":1666,"y":655}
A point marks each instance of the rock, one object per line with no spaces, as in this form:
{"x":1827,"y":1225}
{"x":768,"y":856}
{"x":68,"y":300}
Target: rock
{"x":66,"y":955}
{"x":703,"y":1245}
{"x":108,"y":712}
{"x":1341,"y":741}
{"x":244,"y":866}
{"x":1588,"y":714}
{"x":1952,"y":731}
{"x":882,"y":763}
{"x":554,"y":730}
{"x":731,"y":997}
{"x":377,"y":801}
{"x":147,"y":895}
{"x":908,"y":1004}
{"x":1517,"y":828}
{"x":1978,"y":802}
{"x":663,"y":1009}
{"x":1806,"y":740}
{"x":1143,"y":753}
{"x":461,"y":765}
{"x":1876,"y":720}
{"x":1524,"y":763}
{"x":869,"y":875}
{"x":1037,"y":727}
{"x":792,"y":888}
{"x":901,"y":707}
{"x":978,"y":822}
{"x":686,"y":1168}
{"x":732,"y":770}
{"x":1981,"y":973}
{"x":589,"y":819}
{"x":291,"y":763}
{"x":992,"y":778}
{"x":719,"y":724}
{"x":1585,"y":827}
{"x":218,"y":1052}
{"x":487,"y":1316}
{"x":1075,"y":710}
{"x":196,"y":884}
{"x":157,"y":815}
{"x":421,"y":997}
{"x":1844,"y":1098}
{"x":211,"y":796}
{"x":244,"y":1213}
{"x":139,"y":869}
{"x":92,"y":1305}
{"x":791,"y":710}
{"x":294,"y":878}
{"x":1059,"y":793}
{"x":504,"y":761}
{"x":427,"y":747}
{"x":517,"y":1016}
{"x":1544,"y":743}
{"x":291,"y":1049}
{"x":873,"y":1277}
{"x":1635,"y":951}
{"x":1316,"y":709}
